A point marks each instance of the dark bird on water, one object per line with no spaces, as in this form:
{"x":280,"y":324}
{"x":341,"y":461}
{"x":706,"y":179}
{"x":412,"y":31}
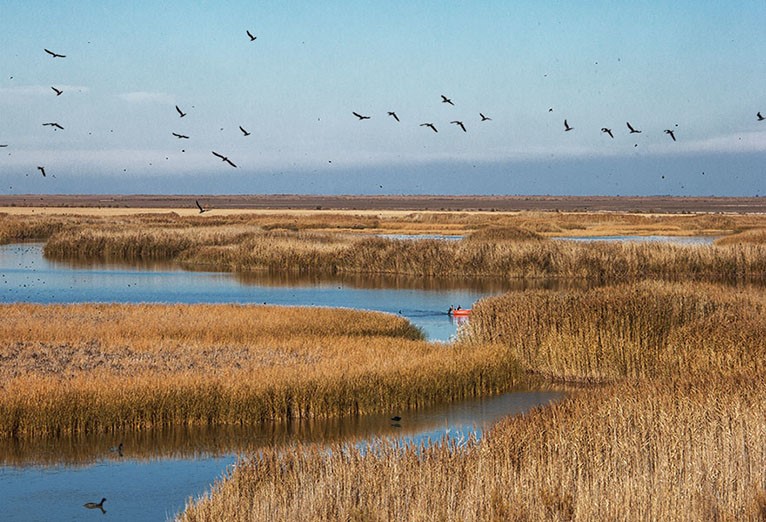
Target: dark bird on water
{"x":632,"y":130}
{"x":485,"y":118}
{"x":96,"y":505}
{"x":447,"y":100}
{"x":244,"y":131}
{"x":224,"y":158}
{"x":53,"y":124}
{"x":429,"y":125}
{"x":55,"y":55}
{"x":396,"y":418}
{"x":180,"y":112}
{"x":180,"y":136}
{"x":58,"y":92}
{"x":118,"y":449}
{"x":459,"y":124}
{"x":360,"y":116}
{"x":252,"y":37}
{"x":607,"y":131}
{"x":760,"y":116}
{"x":42,"y":170}
{"x":201,"y":209}
{"x":567,"y":128}
{"x":393,"y":114}
{"x":670,"y":133}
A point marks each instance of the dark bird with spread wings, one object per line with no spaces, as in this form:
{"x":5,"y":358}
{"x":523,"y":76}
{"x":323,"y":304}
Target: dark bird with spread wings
{"x":670,"y":133}
{"x":251,"y":36}
{"x":459,"y":124}
{"x":180,"y":112}
{"x":632,"y":130}
{"x":567,"y":128}
{"x":431,"y":125}
{"x":607,"y":131}
{"x":201,"y":209}
{"x":760,"y":116}
{"x":181,"y":136}
{"x":224,"y":158}
{"x":393,"y":114}
{"x":58,"y":92}
{"x":55,"y":55}
{"x":485,"y":118}
{"x":447,"y":100}
{"x":42,"y":170}
{"x":360,"y":116}
{"x":244,"y":131}
{"x":54,"y":125}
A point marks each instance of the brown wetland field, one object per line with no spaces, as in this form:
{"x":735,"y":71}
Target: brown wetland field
{"x":663,"y":350}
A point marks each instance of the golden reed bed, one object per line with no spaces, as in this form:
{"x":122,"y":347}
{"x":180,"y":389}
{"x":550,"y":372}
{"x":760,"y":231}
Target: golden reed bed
{"x":677,"y":435}
{"x":69,"y":369}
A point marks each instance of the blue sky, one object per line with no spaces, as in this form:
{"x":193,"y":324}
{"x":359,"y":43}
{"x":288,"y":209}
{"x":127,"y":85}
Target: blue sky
{"x":697,"y":68}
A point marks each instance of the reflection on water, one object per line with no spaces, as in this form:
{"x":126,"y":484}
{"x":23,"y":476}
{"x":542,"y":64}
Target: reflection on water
{"x":159,"y":470}
{"x":680,"y":240}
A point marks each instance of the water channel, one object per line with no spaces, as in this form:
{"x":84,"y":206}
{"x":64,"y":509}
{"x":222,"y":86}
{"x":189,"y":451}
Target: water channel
{"x":157,"y":472}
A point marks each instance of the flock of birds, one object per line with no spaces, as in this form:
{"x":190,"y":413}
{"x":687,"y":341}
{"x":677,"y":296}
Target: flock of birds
{"x":361,"y":117}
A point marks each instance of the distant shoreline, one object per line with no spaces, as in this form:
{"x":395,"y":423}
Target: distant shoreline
{"x":643,"y":204}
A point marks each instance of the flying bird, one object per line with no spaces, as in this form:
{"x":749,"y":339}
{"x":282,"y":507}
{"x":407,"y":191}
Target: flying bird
{"x":567,"y":128}
{"x":201,"y":210}
{"x":180,"y":136}
{"x":485,"y":118}
{"x":670,"y":133}
{"x":429,"y":125}
{"x":607,"y":131}
{"x":244,"y":131}
{"x":53,"y":124}
{"x":5,"y":145}
{"x":447,"y":100}
{"x":42,"y":170}
{"x":55,"y":55}
{"x":459,"y":124}
{"x":360,"y":116}
{"x":57,"y":91}
{"x":224,"y":158}
{"x":760,"y":117}
{"x":632,"y":130}
{"x":180,"y":112}
{"x":252,"y":38}
{"x":390,"y":113}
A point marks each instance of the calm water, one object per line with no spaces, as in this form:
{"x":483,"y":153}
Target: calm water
{"x":680,"y":240}
{"x":159,"y":471}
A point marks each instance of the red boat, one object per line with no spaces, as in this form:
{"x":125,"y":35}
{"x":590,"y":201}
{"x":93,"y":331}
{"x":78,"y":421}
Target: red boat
{"x":459,"y":312}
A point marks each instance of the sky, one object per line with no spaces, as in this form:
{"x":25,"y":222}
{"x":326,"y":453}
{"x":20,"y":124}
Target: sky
{"x":696,"y":68}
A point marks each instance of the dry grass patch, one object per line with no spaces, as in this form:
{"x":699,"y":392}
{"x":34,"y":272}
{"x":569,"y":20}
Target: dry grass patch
{"x":94,"y":368}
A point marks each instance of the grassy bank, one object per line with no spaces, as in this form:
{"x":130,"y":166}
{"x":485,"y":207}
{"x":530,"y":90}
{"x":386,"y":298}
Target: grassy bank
{"x":98,"y":368}
{"x":676,"y":435}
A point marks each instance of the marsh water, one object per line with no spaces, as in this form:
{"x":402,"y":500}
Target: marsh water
{"x":156,"y":472}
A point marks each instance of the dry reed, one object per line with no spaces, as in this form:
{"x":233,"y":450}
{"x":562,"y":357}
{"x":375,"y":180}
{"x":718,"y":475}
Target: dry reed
{"x":99,"y":368}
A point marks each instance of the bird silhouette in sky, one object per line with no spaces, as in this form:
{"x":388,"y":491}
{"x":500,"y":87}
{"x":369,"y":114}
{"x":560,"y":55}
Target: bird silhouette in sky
{"x":429,"y":125}
{"x":55,"y":55}
{"x":447,"y":100}
{"x":607,"y":131}
{"x":54,"y":125}
{"x":670,"y":133}
{"x":252,"y":37}
{"x":180,"y":112}
{"x":393,"y":114}
{"x":360,"y":116}
{"x":244,"y":131}
{"x":459,"y":124}
{"x":181,"y":136}
{"x":632,"y":130}
{"x":567,"y":128}
{"x":58,"y":92}
{"x":201,"y":209}
{"x":760,"y":116}
{"x":224,"y":158}
{"x":485,"y":118}
{"x":42,"y":170}
{"x":4,"y":145}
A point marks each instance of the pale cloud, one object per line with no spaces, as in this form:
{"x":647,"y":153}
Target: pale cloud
{"x":146,"y":97}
